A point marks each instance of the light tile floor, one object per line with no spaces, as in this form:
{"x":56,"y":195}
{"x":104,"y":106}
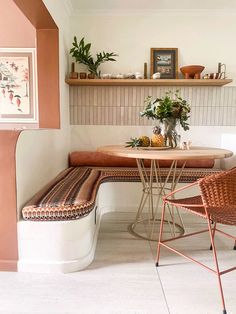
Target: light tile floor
{"x":123,"y":279}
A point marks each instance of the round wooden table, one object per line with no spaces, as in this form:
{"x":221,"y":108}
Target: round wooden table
{"x":154,"y":185}
{"x":194,"y":152}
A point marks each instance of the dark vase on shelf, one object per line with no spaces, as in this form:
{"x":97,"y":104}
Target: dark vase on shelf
{"x":73,"y":74}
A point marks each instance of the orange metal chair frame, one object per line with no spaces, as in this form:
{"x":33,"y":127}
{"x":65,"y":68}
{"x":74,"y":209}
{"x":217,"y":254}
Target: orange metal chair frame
{"x":216,"y":204}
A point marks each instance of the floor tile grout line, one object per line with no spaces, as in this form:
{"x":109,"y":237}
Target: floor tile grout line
{"x":158,"y":275}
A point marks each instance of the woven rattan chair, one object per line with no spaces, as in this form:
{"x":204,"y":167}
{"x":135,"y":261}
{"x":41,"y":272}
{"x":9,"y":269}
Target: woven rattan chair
{"x":217,"y":204}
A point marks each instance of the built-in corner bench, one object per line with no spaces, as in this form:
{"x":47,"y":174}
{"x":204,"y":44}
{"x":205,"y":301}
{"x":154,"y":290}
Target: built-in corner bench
{"x":59,"y":225}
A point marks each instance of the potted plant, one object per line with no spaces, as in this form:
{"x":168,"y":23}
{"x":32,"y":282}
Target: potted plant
{"x":81,"y":52}
{"x":170,"y":110}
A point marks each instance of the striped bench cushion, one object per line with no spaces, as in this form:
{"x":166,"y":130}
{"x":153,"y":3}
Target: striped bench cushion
{"x":72,"y":194}
{"x":69,"y":196}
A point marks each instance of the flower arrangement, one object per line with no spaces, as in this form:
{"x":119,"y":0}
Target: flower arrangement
{"x":169,"y":110}
{"x":169,"y":106}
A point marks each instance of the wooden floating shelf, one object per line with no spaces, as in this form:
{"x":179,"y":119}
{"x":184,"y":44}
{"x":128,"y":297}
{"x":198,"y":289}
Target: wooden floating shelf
{"x":148,"y":82}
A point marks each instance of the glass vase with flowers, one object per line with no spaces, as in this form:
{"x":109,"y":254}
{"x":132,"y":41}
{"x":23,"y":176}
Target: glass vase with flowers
{"x":170,"y":110}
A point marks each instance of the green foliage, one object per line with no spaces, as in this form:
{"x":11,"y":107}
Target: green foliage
{"x":134,"y":142}
{"x":169,"y":106}
{"x":81,"y":52}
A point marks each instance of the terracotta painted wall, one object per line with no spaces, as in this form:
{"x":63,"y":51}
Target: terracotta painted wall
{"x":8,"y":216}
{"x":16,"y":30}
{"x":17,"y":157}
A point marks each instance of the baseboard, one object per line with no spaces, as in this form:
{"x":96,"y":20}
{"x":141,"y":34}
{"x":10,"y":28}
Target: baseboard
{"x":8,"y":265}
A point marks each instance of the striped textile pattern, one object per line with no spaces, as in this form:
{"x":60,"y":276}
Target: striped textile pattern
{"x":70,"y":198}
{"x":72,"y":194}
{"x":130,"y":174}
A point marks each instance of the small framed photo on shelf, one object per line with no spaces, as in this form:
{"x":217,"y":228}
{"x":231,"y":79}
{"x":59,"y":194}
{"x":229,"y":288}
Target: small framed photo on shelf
{"x":164,"y":61}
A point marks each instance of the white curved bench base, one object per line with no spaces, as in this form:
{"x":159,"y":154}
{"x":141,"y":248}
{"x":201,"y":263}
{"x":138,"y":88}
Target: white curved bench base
{"x":69,"y":246}
{"x":57,"y":246}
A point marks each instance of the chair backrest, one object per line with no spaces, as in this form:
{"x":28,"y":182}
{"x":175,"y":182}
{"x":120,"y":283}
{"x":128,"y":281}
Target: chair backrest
{"x":219,"y":189}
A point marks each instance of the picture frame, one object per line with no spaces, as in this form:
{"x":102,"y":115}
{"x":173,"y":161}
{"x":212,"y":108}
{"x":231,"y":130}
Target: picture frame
{"x":164,"y":61}
{"x":18,"y":85}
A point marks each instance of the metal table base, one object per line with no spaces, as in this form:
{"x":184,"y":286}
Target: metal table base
{"x":154,"y":187}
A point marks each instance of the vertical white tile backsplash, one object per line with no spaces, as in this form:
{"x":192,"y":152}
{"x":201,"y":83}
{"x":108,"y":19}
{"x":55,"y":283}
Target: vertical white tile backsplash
{"x":111,"y":105}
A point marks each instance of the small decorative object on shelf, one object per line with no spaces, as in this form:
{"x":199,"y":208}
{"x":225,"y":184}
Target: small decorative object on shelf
{"x":218,"y":75}
{"x":222,"y":73}
{"x":91,"y":76}
{"x":106,"y":76}
{"x":168,"y":110}
{"x":192,"y":71}
{"x":120,"y":76}
{"x":145,"y":70}
{"x":73,"y":74}
{"x":156,"y":75}
{"x":138,"y":75}
{"x":81,"y":52}
{"x":83,"y":75}
{"x":212,"y":76}
{"x":215,"y":76}
{"x":129,"y":76}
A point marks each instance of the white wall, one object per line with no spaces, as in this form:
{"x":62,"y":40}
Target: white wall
{"x":41,"y":154}
{"x":203,"y":37}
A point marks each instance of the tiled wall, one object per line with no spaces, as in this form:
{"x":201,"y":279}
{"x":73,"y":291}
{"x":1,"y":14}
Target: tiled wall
{"x":121,"y":105}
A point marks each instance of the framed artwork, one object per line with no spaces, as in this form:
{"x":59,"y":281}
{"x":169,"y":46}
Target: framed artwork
{"x":164,"y":61}
{"x":18,"y":88}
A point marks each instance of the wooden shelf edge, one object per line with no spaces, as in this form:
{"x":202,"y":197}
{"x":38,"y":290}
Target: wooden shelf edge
{"x":147,"y":82}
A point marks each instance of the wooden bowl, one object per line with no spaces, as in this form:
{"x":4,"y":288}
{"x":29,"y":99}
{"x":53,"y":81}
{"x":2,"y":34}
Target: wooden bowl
{"x":192,"y":71}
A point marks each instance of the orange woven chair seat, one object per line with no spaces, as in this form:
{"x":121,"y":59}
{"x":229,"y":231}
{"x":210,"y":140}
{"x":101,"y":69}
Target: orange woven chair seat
{"x":191,"y":201}
{"x":224,"y":214}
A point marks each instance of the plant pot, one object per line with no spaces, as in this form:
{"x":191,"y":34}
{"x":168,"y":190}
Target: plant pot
{"x":91,"y":76}
{"x":83,"y":75}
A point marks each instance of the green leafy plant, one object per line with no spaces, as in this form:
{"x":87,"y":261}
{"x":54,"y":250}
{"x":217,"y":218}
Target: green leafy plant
{"x":170,"y":106}
{"x":82,"y":54}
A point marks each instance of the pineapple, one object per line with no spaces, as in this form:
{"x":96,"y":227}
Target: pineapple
{"x":157,"y":139}
{"x":142,"y":141}
{"x":134,"y":142}
{"x":145,"y":141}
